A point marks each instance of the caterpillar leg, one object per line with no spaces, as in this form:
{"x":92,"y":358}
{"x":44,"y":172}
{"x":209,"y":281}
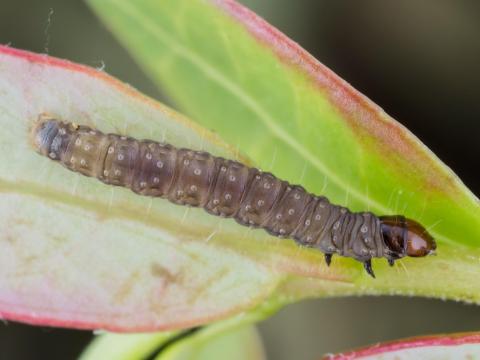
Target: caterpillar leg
{"x":391,"y":261}
{"x":368,"y":267}
{"x":328,"y":259}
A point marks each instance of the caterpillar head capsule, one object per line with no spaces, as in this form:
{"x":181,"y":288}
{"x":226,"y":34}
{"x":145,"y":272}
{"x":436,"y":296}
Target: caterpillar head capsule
{"x":406,"y":237}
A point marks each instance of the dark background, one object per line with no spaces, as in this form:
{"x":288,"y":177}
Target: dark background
{"x":419,"y":60}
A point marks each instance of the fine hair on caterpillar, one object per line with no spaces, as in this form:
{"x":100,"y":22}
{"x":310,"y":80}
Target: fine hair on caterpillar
{"x":228,"y":188}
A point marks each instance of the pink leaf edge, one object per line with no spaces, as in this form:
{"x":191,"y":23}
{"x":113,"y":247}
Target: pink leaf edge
{"x":409,"y":343}
{"x":360,"y":113}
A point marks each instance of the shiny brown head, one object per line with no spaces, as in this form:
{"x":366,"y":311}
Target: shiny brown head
{"x":406,"y":237}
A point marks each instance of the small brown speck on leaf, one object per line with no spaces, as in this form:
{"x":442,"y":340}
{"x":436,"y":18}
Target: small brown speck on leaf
{"x":158,"y":270}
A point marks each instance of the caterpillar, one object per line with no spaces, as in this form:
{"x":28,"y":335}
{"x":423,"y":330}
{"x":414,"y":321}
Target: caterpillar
{"x":228,"y":188}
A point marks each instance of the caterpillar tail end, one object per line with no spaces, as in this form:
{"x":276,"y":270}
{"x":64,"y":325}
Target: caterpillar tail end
{"x":42,"y":133}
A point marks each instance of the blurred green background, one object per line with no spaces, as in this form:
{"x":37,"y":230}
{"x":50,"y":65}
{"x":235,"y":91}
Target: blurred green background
{"x":420,"y":61}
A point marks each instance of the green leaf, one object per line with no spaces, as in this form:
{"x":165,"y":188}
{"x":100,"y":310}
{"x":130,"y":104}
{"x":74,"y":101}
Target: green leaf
{"x":218,"y":341}
{"x":451,"y":346}
{"x":125,"y":346}
{"x":235,"y":74}
{"x":230,"y":339}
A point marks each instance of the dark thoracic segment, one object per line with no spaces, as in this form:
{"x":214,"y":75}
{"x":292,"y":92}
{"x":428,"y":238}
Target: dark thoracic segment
{"x":222,"y":187}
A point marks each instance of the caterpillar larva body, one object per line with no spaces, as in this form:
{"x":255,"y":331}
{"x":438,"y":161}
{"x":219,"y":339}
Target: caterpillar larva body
{"x":230,"y":189}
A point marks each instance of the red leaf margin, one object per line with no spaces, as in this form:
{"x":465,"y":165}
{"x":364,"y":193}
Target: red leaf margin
{"x":367,"y":120}
{"x":409,"y":343}
{"x":45,"y":59}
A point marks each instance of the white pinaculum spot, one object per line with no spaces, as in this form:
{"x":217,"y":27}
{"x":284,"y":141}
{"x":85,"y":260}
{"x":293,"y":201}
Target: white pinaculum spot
{"x":260,"y":202}
{"x":228,"y":196}
{"x":291,"y":211}
{"x":120,"y":157}
{"x":197,"y":172}
{"x":111,"y":149}
{"x":159,"y":164}
{"x":83,"y":162}
{"x":78,"y":142}
{"x":148,"y":156}
{"x":156,"y":180}
{"x":364,"y":229}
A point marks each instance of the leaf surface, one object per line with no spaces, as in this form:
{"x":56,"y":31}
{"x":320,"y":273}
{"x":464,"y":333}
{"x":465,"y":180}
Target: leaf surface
{"x":79,"y":253}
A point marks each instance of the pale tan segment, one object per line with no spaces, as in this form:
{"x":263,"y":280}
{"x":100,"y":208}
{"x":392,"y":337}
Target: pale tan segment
{"x":118,"y":164}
